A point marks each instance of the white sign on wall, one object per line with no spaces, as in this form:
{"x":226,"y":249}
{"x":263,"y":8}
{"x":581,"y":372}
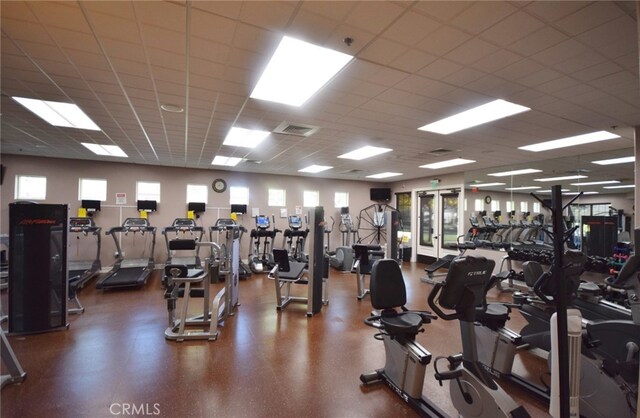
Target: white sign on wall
{"x":121,"y":198}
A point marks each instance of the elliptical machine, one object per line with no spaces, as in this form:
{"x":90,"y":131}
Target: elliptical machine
{"x":342,"y":258}
{"x":260,"y":261}
{"x":294,"y":239}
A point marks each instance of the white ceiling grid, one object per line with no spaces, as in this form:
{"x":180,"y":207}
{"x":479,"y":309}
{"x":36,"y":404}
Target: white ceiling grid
{"x":574,"y":63}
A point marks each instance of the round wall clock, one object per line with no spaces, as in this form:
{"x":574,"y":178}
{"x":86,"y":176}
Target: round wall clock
{"x":219,"y":185}
{"x":487,"y":199}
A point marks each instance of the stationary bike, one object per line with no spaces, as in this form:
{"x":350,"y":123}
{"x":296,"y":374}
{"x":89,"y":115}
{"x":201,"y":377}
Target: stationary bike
{"x":475,"y":393}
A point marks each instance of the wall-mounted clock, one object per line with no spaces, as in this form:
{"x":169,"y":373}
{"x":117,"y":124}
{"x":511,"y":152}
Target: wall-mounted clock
{"x":487,"y":199}
{"x":219,"y":185}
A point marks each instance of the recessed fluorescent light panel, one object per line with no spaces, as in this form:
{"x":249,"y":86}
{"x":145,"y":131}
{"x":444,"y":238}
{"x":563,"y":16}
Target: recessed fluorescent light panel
{"x":488,"y":112}
{"x":226,"y":161}
{"x":383,"y":175}
{"x":523,"y":188}
{"x":615,"y":161}
{"x":549,"y":191}
{"x":247,"y":138}
{"x":448,"y":163}
{"x":315,"y":168}
{"x":596,"y":183}
{"x":577,"y":193}
{"x":296,"y":71}
{"x":516,"y":172}
{"x":624,"y":186}
{"x":571,"y":141}
{"x":577,"y":176}
{"x":66,"y":115}
{"x":108,"y":150}
{"x":364,"y":152}
{"x":486,"y":184}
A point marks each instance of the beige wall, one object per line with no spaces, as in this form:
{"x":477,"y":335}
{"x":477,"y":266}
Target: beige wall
{"x":62,"y":187}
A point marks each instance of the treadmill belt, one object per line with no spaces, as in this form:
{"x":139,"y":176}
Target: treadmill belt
{"x":130,"y":276}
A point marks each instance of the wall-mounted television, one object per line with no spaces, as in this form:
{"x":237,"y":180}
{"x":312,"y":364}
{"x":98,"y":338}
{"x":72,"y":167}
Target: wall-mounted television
{"x":380,"y":194}
{"x":344,"y":210}
{"x":91,"y":205}
{"x":242,"y":209}
{"x":196,"y":207}
{"x":147,"y":205}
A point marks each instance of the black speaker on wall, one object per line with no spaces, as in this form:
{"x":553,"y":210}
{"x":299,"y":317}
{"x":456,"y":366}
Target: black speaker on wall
{"x":3,"y":168}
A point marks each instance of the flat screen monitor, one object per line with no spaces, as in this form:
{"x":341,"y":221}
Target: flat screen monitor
{"x":242,"y":209}
{"x":380,"y":194}
{"x":91,"y":204}
{"x":344,"y":210}
{"x":262,"y":222}
{"x":147,"y":205}
{"x":196,"y":207}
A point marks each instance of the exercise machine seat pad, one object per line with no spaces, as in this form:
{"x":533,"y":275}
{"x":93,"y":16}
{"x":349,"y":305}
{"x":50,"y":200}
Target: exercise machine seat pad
{"x":401,"y":323}
{"x":387,"y":286}
{"x":287,"y":269}
{"x":465,"y":283}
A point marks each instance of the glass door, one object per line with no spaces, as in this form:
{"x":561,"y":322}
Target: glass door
{"x":438,"y":222}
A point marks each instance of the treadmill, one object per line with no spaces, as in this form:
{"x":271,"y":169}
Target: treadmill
{"x":133,"y":272}
{"x":81,"y":271}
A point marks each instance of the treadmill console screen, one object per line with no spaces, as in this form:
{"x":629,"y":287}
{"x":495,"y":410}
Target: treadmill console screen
{"x":184,"y":223}
{"x":225,"y":223}
{"x":262,"y":222}
{"x":80,"y":223}
{"x":135,"y":223}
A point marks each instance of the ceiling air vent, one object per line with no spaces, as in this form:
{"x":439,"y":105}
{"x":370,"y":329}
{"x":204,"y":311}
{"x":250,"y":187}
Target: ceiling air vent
{"x":578,"y":171}
{"x":439,"y":152}
{"x":297,"y":129}
{"x":353,"y":171}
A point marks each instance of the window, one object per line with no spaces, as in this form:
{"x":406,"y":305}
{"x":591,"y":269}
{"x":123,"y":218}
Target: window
{"x":536,"y":207}
{"x":524,"y":206}
{"x":92,"y":189}
{"x":341,"y":199}
{"x":197,"y":193}
{"x":148,"y":191}
{"x":495,"y":205}
{"x":31,"y":188}
{"x":239,"y":195}
{"x":311,"y":198}
{"x":511,"y":205}
{"x":277,"y":197}
{"x":478,"y":205}
{"x":403,"y":204}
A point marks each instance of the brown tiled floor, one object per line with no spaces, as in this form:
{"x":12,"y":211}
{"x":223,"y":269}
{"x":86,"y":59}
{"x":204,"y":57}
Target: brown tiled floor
{"x":264,"y":364}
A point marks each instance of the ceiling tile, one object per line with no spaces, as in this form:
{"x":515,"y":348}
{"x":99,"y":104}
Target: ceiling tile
{"x":443,"y":40}
{"x":404,"y":30}
{"x":482,"y":15}
{"x":383,"y":51}
{"x":471,"y":51}
{"x":553,"y":11}
{"x":538,"y":41}
{"x":412,"y":61}
{"x":497,"y":61}
{"x":374,"y":16}
{"x":443,"y":11}
{"x":272,"y":15}
{"x":440,"y":68}
{"x":511,"y":29}
{"x":589,"y":17}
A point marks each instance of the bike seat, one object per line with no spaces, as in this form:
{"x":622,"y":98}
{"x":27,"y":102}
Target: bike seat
{"x":401,"y":323}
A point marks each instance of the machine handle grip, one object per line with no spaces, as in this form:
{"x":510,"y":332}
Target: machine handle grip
{"x":433,"y":305}
{"x":537,"y":287}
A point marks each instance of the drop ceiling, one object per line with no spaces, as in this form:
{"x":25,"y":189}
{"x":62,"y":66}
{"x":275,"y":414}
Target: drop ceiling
{"x":575,"y":64}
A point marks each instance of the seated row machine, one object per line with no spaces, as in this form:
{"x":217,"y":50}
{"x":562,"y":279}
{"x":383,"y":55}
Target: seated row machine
{"x":179,"y":285}
{"x":313,"y":274}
